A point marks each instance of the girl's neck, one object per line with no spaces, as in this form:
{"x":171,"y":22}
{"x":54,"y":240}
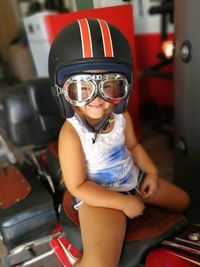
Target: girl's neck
{"x":92,"y":122}
{"x":95,"y":122}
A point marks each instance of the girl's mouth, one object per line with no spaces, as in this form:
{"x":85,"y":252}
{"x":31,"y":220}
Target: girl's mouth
{"x":95,"y":106}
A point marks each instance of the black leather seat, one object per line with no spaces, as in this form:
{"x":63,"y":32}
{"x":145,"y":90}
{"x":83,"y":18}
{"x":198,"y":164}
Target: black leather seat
{"x":30,"y":108}
{"x":30,"y":218}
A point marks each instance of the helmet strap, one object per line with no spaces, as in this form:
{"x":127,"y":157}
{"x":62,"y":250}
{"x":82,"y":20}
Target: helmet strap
{"x":97,"y":129}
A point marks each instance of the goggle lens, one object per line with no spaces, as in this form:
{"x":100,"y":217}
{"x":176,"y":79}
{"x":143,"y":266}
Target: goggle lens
{"x":80,"y":91}
{"x":114,"y":89}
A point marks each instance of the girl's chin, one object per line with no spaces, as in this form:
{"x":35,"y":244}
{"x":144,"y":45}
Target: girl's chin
{"x":95,"y":112}
{"x":96,"y":115}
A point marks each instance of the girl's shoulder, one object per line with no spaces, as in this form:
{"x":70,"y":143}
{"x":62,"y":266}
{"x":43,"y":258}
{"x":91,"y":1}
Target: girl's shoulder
{"x":127,"y":118}
{"x":120,"y":120}
{"x":67,"y":131}
{"x":69,"y":141}
{"x":126,"y":115}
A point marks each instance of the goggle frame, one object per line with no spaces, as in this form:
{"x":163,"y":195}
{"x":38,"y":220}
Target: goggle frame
{"x":98,"y":80}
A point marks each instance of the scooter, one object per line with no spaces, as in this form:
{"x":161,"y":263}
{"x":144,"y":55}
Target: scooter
{"x":157,"y":238}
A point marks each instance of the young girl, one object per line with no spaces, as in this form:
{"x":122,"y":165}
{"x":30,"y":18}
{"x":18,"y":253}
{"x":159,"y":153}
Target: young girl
{"x":90,"y":68}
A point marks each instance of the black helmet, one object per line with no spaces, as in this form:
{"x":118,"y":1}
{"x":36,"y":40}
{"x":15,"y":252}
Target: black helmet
{"x":88,"y":44}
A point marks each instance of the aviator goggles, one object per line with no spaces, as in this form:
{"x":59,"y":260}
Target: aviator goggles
{"x":81,"y":89}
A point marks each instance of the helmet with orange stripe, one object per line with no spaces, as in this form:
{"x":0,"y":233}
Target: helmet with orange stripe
{"x":85,"y":46}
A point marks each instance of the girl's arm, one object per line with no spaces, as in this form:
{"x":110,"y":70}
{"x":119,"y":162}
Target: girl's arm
{"x":142,"y":160}
{"x":73,"y":168}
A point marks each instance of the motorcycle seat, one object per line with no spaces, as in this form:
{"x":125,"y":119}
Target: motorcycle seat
{"x":30,"y":217}
{"x":143,"y":233}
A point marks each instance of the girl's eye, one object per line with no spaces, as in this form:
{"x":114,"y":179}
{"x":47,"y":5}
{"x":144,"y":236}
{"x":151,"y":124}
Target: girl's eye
{"x":84,"y":88}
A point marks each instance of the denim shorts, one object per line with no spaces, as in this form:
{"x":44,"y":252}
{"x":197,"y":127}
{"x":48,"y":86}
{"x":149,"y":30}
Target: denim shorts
{"x":136,"y":190}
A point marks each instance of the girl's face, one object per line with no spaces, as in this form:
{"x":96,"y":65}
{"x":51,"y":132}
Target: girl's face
{"x":96,"y":109}
{"x":106,"y":89}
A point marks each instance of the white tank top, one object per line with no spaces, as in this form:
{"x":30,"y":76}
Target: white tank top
{"x":109,"y":162}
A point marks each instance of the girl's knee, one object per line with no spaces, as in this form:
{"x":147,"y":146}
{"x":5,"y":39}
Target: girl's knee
{"x":170,"y":197}
{"x":182,"y":203}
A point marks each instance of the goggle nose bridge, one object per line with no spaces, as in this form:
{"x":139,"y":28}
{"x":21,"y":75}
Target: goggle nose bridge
{"x":97,"y":80}
{"x":97,"y":77}
{"x":97,"y":91}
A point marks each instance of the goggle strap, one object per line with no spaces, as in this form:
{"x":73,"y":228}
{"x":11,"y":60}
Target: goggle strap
{"x":59,"y":90}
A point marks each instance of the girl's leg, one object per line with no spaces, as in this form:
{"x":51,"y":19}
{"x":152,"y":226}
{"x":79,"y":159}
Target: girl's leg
{"x":102,"y":233}
{"x":170,"y":196}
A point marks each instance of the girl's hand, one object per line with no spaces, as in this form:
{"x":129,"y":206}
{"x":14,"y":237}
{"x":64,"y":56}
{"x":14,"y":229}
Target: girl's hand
{"x":149,"y":186}
{"x":133,"y":206}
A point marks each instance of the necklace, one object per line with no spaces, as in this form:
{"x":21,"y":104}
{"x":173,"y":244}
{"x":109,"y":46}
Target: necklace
{"x":109,"y":123}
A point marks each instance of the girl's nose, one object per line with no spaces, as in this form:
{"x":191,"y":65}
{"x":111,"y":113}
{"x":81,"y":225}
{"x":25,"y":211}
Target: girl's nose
{"x":97,"y":100}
